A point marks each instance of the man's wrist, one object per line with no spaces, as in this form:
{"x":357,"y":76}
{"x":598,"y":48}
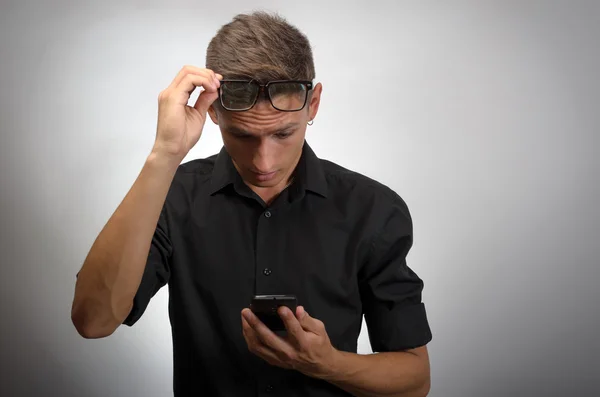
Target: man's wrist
{"x":163,"y":160}
{"x":334,"y":369}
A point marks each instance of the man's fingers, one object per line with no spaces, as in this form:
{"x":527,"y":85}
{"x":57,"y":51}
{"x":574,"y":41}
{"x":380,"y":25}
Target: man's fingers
{"x":309,"y":323}
{"x":266,"y":337}
{"x":189,"y":69}
{"x":296,"y":334}
{"x":248,"y":333}
{"x":187,"y":80}
{"x":263,"y":333}
{"x":205,"y":99}
{"x":181,"y":94}
{"x":257,"y":347}
{"x":191,"y":81}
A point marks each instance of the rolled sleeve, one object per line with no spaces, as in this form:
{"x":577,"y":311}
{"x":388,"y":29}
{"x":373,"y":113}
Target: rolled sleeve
{"x":391,"y":291}
{"x":156,"y":272}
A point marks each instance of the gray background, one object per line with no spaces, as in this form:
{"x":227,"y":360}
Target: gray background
{"x":483,"y":116}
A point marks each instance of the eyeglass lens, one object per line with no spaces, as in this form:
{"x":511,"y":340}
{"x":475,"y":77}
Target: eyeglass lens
{"x":287,"y":96}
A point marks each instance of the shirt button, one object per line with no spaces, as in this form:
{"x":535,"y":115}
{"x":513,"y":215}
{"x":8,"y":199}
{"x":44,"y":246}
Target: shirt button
{"x":268,"y":214}
{"x":267,"y":272}
{"x":269,"y":388}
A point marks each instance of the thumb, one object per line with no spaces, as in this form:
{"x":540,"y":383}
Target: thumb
{"x":300,"y":312}
{"x":306,"y":321}
{"x":205,"y":99}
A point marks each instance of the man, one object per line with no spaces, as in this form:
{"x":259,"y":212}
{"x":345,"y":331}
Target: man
{"x":264,"y":216}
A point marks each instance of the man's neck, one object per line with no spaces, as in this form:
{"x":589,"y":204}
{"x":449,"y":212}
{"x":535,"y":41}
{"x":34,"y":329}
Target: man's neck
{"x":269,"y":194}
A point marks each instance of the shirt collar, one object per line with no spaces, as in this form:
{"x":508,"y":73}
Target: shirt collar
{"x":308,"y":175}
{"x":224,"y":172}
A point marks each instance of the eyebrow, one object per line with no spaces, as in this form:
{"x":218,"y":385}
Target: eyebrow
{"x":239,"y":131}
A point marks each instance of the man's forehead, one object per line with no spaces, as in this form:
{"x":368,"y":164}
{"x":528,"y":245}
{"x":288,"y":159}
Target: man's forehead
{"x":259,"y":129}
{"x":256,"y":78}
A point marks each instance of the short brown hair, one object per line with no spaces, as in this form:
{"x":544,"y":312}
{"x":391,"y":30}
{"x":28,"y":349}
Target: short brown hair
{"x":260,"y":46}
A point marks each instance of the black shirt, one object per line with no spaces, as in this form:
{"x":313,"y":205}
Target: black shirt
{"x":334,"y":238}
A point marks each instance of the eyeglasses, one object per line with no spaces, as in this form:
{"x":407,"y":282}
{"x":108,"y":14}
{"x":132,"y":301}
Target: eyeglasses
{"x":284,"y":95}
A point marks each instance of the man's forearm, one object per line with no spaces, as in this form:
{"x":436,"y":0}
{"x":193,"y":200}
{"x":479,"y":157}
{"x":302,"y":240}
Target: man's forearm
{"x":390,"y":374}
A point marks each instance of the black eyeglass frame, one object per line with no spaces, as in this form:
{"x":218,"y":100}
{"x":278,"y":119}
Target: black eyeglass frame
{"x":265,"y":88}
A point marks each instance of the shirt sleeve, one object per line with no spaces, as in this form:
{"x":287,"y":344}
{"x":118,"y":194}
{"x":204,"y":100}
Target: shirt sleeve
{"x":156,"y":273}
{"x":390,"y":291}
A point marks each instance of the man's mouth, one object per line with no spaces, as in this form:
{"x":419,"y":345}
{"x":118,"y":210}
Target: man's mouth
{"x":262,"y":176}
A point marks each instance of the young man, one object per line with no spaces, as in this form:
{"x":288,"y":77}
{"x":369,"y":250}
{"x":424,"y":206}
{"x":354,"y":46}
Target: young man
{"x":264,"y":216}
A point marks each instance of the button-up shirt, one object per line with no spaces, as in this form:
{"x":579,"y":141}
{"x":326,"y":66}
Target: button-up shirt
{"x":334,"y":238}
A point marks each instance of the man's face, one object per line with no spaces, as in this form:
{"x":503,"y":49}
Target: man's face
{"x":264,"y":143}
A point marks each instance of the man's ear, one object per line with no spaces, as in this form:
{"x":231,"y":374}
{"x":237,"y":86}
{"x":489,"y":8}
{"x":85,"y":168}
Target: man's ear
{"x":212,"y":112}
{"x":315,"y":100}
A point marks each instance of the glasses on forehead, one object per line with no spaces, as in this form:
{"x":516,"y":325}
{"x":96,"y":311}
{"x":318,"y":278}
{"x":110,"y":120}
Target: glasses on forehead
{"x":284,"y":95}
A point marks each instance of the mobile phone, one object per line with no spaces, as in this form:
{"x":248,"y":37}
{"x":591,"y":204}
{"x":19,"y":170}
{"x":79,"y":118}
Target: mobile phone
{"x":265,"y":308}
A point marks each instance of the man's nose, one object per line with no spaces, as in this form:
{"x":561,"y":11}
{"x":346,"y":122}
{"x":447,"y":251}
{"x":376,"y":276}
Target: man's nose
{"x":263,"y":156}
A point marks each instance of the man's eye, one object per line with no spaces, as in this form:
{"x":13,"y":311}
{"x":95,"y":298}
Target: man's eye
{"x":282,"y":135}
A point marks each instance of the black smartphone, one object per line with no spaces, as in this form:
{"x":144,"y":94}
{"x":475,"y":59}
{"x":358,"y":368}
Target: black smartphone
{"x":265,"y":308}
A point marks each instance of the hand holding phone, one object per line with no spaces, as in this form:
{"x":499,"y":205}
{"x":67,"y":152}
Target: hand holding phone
{"x":265,"y":308}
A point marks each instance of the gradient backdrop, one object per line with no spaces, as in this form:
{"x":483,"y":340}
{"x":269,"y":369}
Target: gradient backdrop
{"x":483,"y":116}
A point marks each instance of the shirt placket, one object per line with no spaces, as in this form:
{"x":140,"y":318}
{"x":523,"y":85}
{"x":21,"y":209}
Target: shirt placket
{"x":266,"y":276}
